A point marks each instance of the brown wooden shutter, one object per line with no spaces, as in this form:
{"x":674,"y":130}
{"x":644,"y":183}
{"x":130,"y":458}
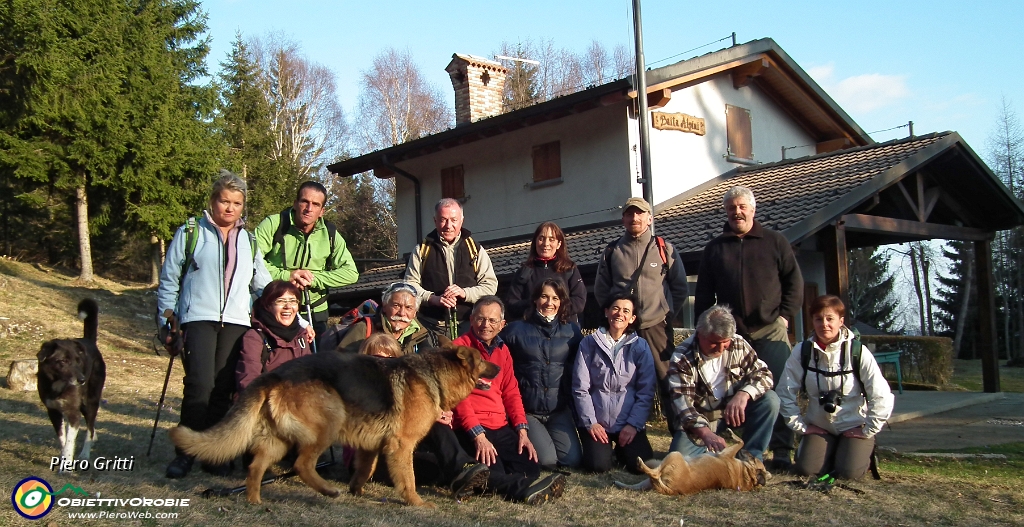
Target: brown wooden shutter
{"x":453,"y":183}
{"x":547,"y":162}
{"x":738,"y":129}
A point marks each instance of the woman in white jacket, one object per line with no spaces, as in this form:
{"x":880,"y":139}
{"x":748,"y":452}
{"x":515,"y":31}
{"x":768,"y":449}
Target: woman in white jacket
{"x":845,"y":409}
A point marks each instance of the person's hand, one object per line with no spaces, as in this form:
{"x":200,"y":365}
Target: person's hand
{"x":598,"y":433}
{"x":454,"y":291}
{"x":446,"y":418}
{"x":485,"y":451}
{"x":449,"y":301}
{"x":735,"y":411}
{"x":310,"y":333}
{"x":441,"y":301}
{"x":710,"y":439}
{"x":816,"y":430}
{"x":301,"y":278}
{"x":855,"y":433}
{"x":524,"y":442}
{"x":626,"y":435}
{"x":784,"y":321}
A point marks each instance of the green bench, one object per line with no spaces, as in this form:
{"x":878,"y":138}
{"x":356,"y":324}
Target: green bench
{"x":892,"y":357}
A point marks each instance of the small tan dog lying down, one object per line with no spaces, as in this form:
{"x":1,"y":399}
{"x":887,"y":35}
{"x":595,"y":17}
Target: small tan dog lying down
{"x":731,"y":468}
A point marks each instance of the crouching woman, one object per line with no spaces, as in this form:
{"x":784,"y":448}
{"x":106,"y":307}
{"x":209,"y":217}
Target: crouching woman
{"x":848,"y":398}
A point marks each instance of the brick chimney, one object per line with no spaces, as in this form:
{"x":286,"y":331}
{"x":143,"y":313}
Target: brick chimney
{"x":479,"y":84}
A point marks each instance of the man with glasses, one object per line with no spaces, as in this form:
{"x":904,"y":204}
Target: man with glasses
{"x":492,"y":423}
{"x":716,"y":381}
{"x":299,"y":246}
{"x":397,"y":317}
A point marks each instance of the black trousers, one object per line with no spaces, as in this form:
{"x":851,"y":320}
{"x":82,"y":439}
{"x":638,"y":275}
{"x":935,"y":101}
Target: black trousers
{"x":597,"y":457}
{"x":211,"y":351}
{"x":436,"y":460}
{"x":775,"y":354}
{"x":512,"y":473}
{"x":659,"y":339}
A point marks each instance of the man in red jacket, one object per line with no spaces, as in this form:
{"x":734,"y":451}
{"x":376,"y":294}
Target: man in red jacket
{"x":492,"y":423}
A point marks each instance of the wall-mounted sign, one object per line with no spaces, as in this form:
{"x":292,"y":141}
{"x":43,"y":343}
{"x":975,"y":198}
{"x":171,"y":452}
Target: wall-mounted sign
{"x":678,"y":121}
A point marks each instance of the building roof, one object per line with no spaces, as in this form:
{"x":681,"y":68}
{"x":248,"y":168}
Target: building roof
{"x":799,"y":197}
{"x":761,"y":61}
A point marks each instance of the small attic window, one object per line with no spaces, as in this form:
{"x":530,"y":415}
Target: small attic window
{"x":547,"y":162}
{"x":737,"y":124}
{"x":453,"y":183}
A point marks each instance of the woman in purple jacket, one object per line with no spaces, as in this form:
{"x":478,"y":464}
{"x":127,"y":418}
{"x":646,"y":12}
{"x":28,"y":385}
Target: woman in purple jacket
{"x":613,"y":387}
{"x":275,"y":337}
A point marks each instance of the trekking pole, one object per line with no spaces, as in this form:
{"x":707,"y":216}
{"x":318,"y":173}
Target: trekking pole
{"x":160,"y":405}
{"x":453,"y":324}
{"x":309,"y":315}
{"x":209,"y":493}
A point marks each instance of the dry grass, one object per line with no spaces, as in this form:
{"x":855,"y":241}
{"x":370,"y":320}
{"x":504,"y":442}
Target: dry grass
{"x":911,"y":492}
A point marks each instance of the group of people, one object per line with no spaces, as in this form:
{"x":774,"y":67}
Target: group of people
{"x":561,"y":400}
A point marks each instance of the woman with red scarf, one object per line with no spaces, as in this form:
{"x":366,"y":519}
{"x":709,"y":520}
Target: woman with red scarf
{"x":549,"y":258}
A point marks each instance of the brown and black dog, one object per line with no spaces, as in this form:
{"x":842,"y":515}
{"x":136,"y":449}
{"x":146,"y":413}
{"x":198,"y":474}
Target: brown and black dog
{"x":375,"y":405}
{"x":732,"y":468}
{"x":70,"y":383}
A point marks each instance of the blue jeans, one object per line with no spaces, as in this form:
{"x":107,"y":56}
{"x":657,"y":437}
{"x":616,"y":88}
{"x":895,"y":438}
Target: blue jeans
{"x":757,"y":429}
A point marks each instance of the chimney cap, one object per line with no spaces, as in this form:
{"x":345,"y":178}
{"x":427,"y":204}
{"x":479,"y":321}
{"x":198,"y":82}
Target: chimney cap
{"x":474,"y":60}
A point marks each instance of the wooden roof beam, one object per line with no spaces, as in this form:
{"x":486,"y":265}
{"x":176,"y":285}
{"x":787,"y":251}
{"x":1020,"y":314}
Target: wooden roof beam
{"x":742,"y":75}
{"x":923,"y":230}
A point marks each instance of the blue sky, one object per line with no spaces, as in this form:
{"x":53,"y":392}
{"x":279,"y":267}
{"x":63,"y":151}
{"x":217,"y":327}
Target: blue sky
{"x":944,"y":65}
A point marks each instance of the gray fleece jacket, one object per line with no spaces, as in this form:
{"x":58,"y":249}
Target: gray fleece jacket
{"x":659,"y":292}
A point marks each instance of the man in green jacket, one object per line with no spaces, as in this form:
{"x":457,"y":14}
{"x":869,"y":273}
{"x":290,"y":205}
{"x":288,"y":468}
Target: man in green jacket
{"x":302,"y":248}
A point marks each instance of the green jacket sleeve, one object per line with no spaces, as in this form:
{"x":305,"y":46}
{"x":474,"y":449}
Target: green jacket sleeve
{"x":343,"y":267}
{"x":265,"y":241}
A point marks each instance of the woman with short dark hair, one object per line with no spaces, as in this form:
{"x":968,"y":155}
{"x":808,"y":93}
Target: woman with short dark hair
{"x":543,"y":346}
{"x":549,"y":258}
{"x":276,"y":336}
{"x":613,"y":386}
{"x":849,"y":399}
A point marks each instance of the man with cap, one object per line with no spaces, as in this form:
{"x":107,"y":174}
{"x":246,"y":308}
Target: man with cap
{"x":649,"y":268}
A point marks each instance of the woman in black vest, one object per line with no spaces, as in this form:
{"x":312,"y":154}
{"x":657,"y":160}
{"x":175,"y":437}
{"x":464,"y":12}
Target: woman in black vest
{"x":543,"y":346}
{"x":548,"y":258}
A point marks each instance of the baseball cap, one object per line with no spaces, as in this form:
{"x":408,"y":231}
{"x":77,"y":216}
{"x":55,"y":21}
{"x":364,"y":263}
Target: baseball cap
{"x":639,"y":203}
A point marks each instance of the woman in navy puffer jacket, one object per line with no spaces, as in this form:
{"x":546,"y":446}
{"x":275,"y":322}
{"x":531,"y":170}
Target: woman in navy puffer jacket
{"x":543,"y":347}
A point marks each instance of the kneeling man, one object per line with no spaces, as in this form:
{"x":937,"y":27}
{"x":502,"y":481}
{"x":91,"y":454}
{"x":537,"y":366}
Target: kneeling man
{"x":716,"y":380}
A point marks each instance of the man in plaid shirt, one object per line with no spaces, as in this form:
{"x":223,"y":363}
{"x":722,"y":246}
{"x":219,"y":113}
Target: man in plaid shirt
{"x":715,"y":379}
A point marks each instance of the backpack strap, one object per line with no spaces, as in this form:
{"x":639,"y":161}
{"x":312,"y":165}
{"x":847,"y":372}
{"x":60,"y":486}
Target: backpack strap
{"x":283,"y":225}
{"x":805,"y":361}
{"x":474,"y":253}
{"x":332,"y":232}
{"x":369,"y":326}
{"x":664,"y":254}
{"x":191,"y":240}
{"x":265,"y":355}
{"x":856,"y":350}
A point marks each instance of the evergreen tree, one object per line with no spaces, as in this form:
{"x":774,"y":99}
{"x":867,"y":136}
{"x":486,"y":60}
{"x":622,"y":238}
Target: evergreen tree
{"x":871,"y":290}
{"x":958,"y":321}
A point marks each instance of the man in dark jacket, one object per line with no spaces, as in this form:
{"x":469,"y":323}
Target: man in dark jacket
{"x":397,"y":316}
{"x":753,"y":270}
{"x":449,"y":270}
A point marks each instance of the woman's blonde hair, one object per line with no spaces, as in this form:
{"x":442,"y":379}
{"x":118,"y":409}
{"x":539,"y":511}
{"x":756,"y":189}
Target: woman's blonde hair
{"x":228,"y":181}
{"x":381,"y":345}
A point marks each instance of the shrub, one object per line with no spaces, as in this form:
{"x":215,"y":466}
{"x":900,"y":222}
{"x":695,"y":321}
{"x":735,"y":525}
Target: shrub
{"x":932,"y":357}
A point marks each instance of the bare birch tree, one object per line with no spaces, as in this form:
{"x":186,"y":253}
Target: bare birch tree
{"x":396,"y":104}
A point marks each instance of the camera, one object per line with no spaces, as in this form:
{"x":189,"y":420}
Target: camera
{"x":830,"y":400}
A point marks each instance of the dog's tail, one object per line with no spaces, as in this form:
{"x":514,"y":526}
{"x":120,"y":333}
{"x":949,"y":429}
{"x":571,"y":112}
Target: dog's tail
{"x":228,"y":438}
{"x":89,"y":311}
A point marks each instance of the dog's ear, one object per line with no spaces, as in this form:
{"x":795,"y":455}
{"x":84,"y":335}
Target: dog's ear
{"x":466,"y":354}
{"x":46,"y":350}
{"x":443,"y":341}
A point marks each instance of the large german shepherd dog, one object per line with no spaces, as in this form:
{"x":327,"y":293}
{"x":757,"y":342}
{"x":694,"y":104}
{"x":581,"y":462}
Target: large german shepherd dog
{"x":70,"y":383}
{"x":375,"y":405}
{"x":732,"y":468}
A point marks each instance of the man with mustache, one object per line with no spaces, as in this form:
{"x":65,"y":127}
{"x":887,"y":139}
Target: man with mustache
{"x":397,"y":316}
{"x":648,"y":268}
{"x":449,"y":270}
{"x":753,"y":270}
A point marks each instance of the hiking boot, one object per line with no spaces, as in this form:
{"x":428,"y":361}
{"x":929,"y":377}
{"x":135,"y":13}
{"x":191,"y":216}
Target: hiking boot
{"x":179,"y":466}
{"x":779,"y":465}
{"x":472,"y":478}
{"x":545,"y":490}
{"x":222,"y":470}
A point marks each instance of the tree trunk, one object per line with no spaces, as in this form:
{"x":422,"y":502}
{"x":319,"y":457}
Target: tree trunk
{"x":961,"y":319}
{"x":154,"y":268}
{"x":925,"y":267}
{"x":917,"y":289}
{"x":82,"y":206}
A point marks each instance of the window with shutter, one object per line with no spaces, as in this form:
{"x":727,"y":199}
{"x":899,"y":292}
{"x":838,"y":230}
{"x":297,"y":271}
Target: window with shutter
{"x":737,"y":123}
{"x":547,"y":162}
{"x":453,"y":183}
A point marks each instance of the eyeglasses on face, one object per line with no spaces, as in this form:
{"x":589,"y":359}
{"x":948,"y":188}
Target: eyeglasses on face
{"x":488,"y":321}
{"x":284,"y":302}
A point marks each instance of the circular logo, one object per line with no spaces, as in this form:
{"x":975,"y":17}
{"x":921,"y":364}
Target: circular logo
{"x":32,"y":498}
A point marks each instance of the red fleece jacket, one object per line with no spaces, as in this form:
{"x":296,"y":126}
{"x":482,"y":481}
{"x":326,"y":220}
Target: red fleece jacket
{"x":498,"y":406}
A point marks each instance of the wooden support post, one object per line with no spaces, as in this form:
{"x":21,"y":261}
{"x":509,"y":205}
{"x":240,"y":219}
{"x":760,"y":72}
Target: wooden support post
{"x":837,"y":272}
{"x":987,"y":316}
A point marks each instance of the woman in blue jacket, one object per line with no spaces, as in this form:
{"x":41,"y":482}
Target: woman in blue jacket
{"x":543,"y":346}
{"x":210,"y":293}
{"x":613,"y":386}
